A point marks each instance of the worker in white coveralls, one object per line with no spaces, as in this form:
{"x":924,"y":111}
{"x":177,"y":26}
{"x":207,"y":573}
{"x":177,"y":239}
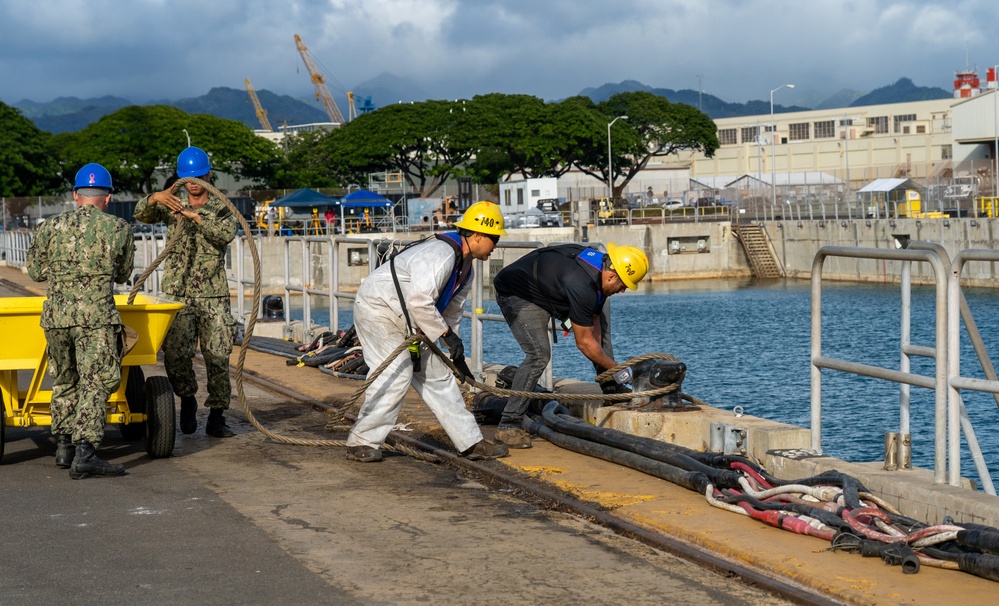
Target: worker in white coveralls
{"x":422,"y":290}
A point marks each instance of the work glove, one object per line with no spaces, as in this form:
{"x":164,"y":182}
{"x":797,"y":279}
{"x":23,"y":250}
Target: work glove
{"x":623,"y":376}
{"x":618,"y":383}
{"x":464,"y":372}
{"x":611,"y":387}
{"x":454,"y":345}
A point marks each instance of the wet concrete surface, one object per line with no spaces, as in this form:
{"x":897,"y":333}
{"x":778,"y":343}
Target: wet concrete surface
{"x":248,"y":520}
{"x":402,"y":531}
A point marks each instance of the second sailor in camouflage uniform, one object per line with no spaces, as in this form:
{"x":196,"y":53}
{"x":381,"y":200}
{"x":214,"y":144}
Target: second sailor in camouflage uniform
{"x":81,"y":254}
{"x":194,"y":273}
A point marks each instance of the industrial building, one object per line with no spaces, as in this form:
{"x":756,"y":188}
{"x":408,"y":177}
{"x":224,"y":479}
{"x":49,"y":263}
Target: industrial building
{"x":947,"y":147}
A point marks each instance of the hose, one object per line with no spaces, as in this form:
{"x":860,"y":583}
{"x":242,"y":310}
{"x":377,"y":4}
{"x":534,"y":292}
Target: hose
{"x":690,"y":480}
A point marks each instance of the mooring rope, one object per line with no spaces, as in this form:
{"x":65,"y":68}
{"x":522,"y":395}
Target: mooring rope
{"x":339,"y":413}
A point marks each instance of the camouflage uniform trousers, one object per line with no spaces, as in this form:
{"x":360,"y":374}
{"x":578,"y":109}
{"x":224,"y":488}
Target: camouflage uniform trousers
{"x":85,"y":364}
{"x":209,"y":321}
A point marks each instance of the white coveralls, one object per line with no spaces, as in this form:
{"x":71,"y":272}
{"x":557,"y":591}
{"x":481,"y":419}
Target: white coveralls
{"x":423,"y":272}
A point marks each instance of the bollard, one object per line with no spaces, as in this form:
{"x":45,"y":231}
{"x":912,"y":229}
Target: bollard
{"x":891,"y":451}
{"x":905,"y":451}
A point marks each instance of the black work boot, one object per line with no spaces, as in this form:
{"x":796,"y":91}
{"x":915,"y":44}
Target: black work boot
{"x":188,"y":412}
{"x":364,"y":454}
{"x":216,"y":426}
{"x":87,"y":465}
{"x":64,"y":451}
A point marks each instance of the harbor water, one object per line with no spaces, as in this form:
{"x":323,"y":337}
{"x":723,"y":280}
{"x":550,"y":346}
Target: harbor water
{"x":746,"y":343}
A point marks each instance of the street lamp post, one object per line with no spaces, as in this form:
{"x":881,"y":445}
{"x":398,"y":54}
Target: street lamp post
{"x":995,"y":129}
{"x":610,"y":165}
{"x":773,"y":144}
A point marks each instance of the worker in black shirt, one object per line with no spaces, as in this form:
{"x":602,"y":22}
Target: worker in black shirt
{"x":567,"y":282}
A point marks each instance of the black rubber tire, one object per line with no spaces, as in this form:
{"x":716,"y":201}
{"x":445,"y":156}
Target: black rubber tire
{"x":135,"y":395}
{"x":160,"y":418}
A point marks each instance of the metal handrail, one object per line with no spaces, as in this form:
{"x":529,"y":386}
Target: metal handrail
{"x":938,"y":382}
{"x":14,"y":246}
{"x":957,"y":414}
{"x":306,"y":289}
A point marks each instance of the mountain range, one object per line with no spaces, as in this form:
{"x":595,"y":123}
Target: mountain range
{"x":70,"y":114}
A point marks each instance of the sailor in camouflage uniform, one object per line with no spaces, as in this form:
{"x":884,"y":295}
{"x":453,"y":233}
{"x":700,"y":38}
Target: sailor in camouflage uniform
{"x":194,"y":273}
{"x":81,"y":254}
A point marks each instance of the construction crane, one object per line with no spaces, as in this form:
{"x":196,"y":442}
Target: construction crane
{"x":322,"y":92}
{"x":261,"y":113}
{"x":351,"y":109}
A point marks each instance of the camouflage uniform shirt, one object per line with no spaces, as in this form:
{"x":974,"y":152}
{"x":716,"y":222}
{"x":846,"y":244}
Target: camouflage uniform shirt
{"x":196,"y":265}
{"x":81,"y":254}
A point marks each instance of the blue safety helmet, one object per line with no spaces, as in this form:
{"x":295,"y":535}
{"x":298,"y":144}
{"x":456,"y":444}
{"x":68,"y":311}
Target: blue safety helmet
{"x":93,"y":175}
{"x":193,"y":162}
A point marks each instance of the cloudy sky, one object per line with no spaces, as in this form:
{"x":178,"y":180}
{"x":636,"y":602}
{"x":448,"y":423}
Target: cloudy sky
{"x":735,"y":49}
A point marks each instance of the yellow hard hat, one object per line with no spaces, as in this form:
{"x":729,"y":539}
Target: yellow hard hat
{"x":484,"y":218}
{"x":629,"y":262}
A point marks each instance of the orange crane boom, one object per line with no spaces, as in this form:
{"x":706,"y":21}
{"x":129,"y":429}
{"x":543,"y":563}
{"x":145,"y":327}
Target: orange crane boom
{"x":261,"y":113}
{"x":322,"y":92}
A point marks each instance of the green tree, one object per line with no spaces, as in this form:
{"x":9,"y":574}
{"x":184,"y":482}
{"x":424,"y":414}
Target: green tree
{"x":138,"y":143}
{"x":655,"y":128}
{"x":307,"y":162}
{"x":427,"y":142}
{"x":28,"y":167}
{"x":507,"y":133}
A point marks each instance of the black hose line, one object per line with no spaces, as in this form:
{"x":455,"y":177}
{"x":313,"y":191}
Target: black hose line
{"x":646,"y":447}
{"x":690,"y":480}
{"x":980,"y":540}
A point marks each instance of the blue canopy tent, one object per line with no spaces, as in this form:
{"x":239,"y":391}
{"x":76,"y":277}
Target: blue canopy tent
{"x":298,"y":206}
{"x":306,"y":198}
{"x":357,"y":205}
{"x":364,"y":198}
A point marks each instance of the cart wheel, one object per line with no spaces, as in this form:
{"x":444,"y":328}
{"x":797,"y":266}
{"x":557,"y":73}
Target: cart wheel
{"x":136,"y":398}
{"x":160,"y":420}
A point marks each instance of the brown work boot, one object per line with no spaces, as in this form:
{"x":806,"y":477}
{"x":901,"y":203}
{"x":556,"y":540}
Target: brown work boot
{"x":364,"y":454}
{"x":484,"y":449}
{"x":514,"y":437}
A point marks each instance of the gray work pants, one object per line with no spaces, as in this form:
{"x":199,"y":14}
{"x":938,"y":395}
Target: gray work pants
{"x":530,"y":324}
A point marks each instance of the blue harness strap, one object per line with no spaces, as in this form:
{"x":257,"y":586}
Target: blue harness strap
{"x":594,"y":258}
{"x":453,"y":285}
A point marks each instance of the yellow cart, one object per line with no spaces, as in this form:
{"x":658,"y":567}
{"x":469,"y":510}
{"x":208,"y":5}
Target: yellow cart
{"x":142,"y":408}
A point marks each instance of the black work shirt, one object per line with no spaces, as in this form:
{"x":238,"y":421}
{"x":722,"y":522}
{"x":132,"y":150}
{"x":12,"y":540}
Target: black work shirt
{"x":565,"y":286}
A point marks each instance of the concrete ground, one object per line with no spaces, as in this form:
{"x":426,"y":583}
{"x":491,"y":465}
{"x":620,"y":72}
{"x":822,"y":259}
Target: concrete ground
{"x":294,"y":494}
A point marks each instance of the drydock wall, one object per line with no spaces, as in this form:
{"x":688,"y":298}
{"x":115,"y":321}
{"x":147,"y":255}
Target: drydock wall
{"x":688,"y":251}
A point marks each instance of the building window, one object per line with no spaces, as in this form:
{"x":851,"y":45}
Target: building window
{"x":946,"y":153}
{"x":750,"y":134}
{"x":825,"y":129}
{"x":920,"y":129}
{"x":799,"y":131}
{"x":727,"y":136}
{"x":879,"y":125}
{"x":899,"y":120}
{"x":506,"y":198}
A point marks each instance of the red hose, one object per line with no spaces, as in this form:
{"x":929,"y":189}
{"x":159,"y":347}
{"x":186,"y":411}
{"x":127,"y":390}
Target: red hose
{"x":749,"y":471}
{"x":780,"y":519}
